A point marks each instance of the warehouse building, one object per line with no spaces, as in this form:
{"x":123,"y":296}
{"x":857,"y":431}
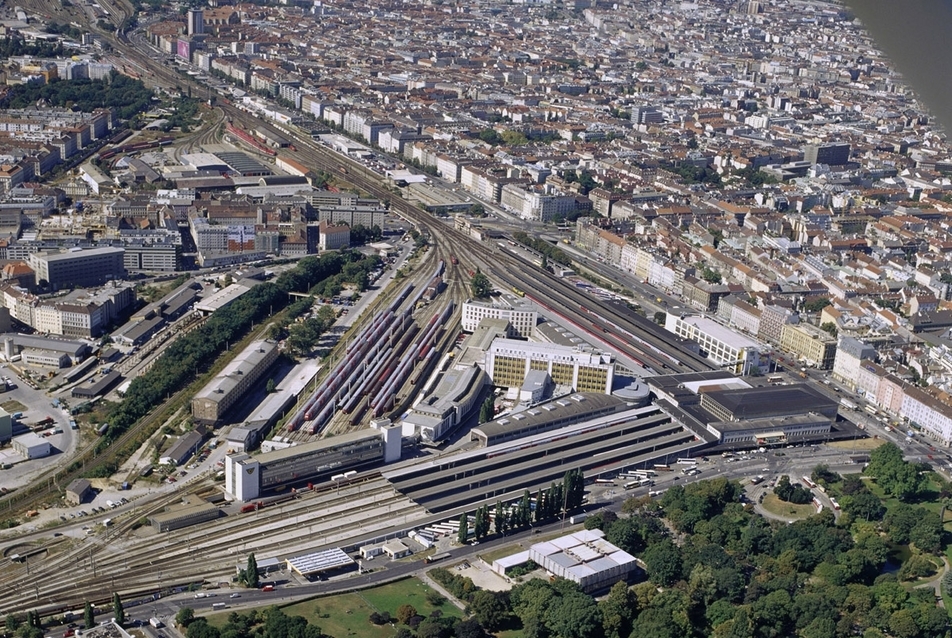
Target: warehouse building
{"x":97,"y":387}
{"x":221,"y":299}
{"x":246,"y":477}
{"x":56,"y":349}
{"x":212,"y":401}
{"x":192,"y":511}
{"x":183,"y":449}
{"x":31,"y":446}
{"x":438,"y":414}
{"x":583,"y":369}
{"x":6,"y":426}
{"x":585,"y":558}
{"x":78,"y":491}
{"x":522,"y":319}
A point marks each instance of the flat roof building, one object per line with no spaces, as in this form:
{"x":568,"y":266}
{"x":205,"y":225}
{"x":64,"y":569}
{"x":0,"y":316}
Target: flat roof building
{"x":31,"y":446}
{"x":584,"y":557}
{"x":314,"y":564}
{"x":6,"y":426}
{"x":767,"y":402}
{"x":723,"y":346}
{"x":80,"y":268}
{"x":234,"y":381}
{"x":248,"y":477}
{"x":222,"y":298}
{"x":809,"y":344}
{"x":522,"y":319}
{"x":785,"y":429}
{"x":508,"y":361}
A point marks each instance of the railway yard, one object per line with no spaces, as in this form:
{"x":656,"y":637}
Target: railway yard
{"x":374,"y":373}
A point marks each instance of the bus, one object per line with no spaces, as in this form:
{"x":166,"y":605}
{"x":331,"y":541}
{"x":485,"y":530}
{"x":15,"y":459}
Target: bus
{"x":662,"y":468}
{"x":806,"y":481}
{"x":871,"y":410}
{"x":605,"y":481}
{"x":687,"y":461}
{"x":219,"y":605}
{"x":436,"y":557}
{"x":774,"y":380}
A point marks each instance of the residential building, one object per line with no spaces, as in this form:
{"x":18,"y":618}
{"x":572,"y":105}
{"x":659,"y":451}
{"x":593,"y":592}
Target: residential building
{"x":812,"y":346}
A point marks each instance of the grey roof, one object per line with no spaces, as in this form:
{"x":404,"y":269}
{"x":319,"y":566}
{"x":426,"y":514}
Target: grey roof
{"x":103,"y":385}
{"x":767,"y":401}
{"x":78,"y":486}
{"x":72,"y":348}
{"x":855,"y":348}
{"x":564,"y":407}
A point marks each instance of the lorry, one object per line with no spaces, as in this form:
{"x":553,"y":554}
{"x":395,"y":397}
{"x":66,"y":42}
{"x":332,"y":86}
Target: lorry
{"x":846,"y":403}
{"x":268,"y":588}
{"x":155,"y":622}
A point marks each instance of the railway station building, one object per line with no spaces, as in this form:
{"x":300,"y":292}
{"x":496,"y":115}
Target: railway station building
{"x":454,"y":397}
{"x":583,"y":369}
{"x":247,"y":477}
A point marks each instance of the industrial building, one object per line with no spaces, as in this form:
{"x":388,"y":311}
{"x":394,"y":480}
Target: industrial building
{"x":723,"y":346}
{"x":183,"y":449}
{"x":211,"y":402}
{"x":96,"y":387}
{"x":437,"y":414}
{"x":78,"y":268}
{"x":584,"y":370}
{"x":31,"y":446}
{"x":6,"y":426}
{"x":192,"y":511}
{"x":15,"y":343}
{"x":522,"y":319}
{"x":221,"y":299}
{"x":246,"y":477}
{"x":78,"y":491}
{"x":585,"y":558}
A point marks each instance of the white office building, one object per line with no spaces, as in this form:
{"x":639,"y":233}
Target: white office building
{"x":522,"y":319}
{"x":726,"y":348}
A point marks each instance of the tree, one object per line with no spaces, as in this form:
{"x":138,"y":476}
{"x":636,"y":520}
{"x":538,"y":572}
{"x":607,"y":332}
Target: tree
{"x":864,"y":506}
{"x":491,"y":609}
{"x":12,"y":623}
{"x":463,"y":535}
{"x":117,"y":611}
{"x":926,"y":535}
{"x":487,"y":410}
{"x":830,"y":328}
{"x":480,"y":285}
{"x":618,"y":609}
{"x":251,"y":572}
{"x":896,"y":476}
{"x":405,"y":612}
{"x":270,"y":387}
{"x":185,"y":617}
{"x":663,"y":561}
{"x":660,"y":317}
{"x":89,"y":618}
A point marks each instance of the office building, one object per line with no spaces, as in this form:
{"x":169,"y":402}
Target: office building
{"x":584,"y":370}
{"x":78,"y":268}
{"x":196,"y":22}
{"x":832,"y":154}
{"x":809,"y":344}
{"x":6,"y":426}
{"x":522,"y":319}
{"x":726,"y":348}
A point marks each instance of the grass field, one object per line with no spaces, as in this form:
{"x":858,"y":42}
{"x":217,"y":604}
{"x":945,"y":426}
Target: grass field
{"x":13,"y":406}
{"x":346,"y":614}
{"x":860,"y":445}
{"x":788,"y":510}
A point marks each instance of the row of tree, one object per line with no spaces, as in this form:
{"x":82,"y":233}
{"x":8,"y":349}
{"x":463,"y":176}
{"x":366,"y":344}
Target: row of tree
{"x":127,"y":96}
